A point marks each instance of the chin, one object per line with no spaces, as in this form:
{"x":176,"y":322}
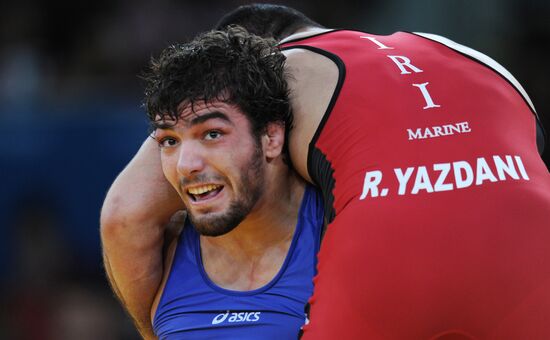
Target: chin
{"x":212,"y":231}
{"x":222,"y":222}
{"x":216,"y":226}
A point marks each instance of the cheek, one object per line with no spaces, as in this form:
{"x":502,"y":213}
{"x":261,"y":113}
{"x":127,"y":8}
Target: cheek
{"x":237,"y":162}
{"x":246,"y":166}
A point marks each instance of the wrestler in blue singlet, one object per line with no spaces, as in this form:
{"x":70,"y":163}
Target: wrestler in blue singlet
{"x":193,"y":307}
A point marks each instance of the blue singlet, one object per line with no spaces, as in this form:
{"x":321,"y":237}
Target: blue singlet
{"x":193,"y":307}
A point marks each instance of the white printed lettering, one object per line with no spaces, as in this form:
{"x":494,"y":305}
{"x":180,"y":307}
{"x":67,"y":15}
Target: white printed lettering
{"x":440,"y":184}
{"x":372,"y":179}
{"x":453,"y":128}
{"x":417,"y":134}
{"x":464,"y":127}
{"x":427,"y":98}
{"x":402,"y":61}
{"x":483,"y":172}
{"x":436,"y":178}
{"x":507,"y":168}
{"x":237,"y":317}
{"x":428,"y":133}
{"x":380,"y":45}
{"x":521,"y":168}
{"x":422,"y":181}
{"x":463,"y":182}
{"x":438,"y":131}
{"x":403,"y":179}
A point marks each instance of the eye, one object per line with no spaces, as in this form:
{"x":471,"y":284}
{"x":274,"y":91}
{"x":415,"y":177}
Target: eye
{"x":167,"y":142}
{"x":213,"y":134}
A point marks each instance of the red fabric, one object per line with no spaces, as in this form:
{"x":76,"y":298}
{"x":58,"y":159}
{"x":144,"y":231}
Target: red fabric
{"x":437,"y":260}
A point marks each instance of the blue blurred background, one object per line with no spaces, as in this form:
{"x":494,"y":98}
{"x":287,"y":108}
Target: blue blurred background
{"x":70,"y":119}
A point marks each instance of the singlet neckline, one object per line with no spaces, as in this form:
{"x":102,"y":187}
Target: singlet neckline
{"x":284,"y":42}
{"x":273,"y":281}
{"x":305,"y":37}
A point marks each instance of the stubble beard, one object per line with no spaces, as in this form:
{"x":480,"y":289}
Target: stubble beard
{"x":251,"y":185}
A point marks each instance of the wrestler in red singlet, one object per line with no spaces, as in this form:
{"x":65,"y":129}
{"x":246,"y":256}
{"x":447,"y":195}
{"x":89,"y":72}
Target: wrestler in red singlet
{"x":440,"y":224}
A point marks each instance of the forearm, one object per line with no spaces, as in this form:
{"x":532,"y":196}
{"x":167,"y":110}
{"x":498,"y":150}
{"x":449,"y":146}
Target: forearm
{"x":141,"y":193}
{"x":136,"y":209}
{"x":140,"y":314}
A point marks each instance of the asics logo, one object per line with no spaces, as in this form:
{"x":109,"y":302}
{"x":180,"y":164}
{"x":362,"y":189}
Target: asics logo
{"x":220,"y":318}
{"x":236,"y":317}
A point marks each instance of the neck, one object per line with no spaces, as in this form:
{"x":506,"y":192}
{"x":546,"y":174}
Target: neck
{"x":250,"y":255}
{"x":304,"y":33}
{"x":273,"y":218}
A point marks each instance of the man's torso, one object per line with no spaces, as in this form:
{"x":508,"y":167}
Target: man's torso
{"x":192,"y":306}
{"x":428,"y":163}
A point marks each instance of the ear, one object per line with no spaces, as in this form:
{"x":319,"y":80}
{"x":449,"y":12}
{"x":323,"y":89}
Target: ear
{"x":274,"y":140}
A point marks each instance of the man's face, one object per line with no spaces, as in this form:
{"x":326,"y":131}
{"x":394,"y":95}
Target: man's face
{"x":211,"y":158}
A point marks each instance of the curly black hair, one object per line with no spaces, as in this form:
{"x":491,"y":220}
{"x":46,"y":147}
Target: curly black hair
{"x":231,"y":66}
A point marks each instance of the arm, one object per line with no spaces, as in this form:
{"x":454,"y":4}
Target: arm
{"x":312,"y":81}
{"x":138,"y":205}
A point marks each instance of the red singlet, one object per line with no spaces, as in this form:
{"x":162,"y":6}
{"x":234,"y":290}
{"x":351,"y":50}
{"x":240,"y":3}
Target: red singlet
{"x":440,"y":224}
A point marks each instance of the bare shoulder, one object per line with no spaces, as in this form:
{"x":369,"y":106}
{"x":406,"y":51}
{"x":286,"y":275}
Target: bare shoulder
{"x":312,"y":78}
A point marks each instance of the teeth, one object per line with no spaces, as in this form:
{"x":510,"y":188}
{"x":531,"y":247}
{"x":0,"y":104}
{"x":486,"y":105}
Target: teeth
{"x":202,"y":189}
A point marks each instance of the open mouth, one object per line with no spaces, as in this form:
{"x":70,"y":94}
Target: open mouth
{"x":204,"y":192}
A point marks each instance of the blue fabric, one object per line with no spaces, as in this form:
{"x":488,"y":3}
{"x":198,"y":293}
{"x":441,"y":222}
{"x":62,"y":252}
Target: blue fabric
{"x":193,"y":307}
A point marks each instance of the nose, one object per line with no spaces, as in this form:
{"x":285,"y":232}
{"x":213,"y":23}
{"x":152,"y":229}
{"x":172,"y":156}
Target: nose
{"x":190,"y":159}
